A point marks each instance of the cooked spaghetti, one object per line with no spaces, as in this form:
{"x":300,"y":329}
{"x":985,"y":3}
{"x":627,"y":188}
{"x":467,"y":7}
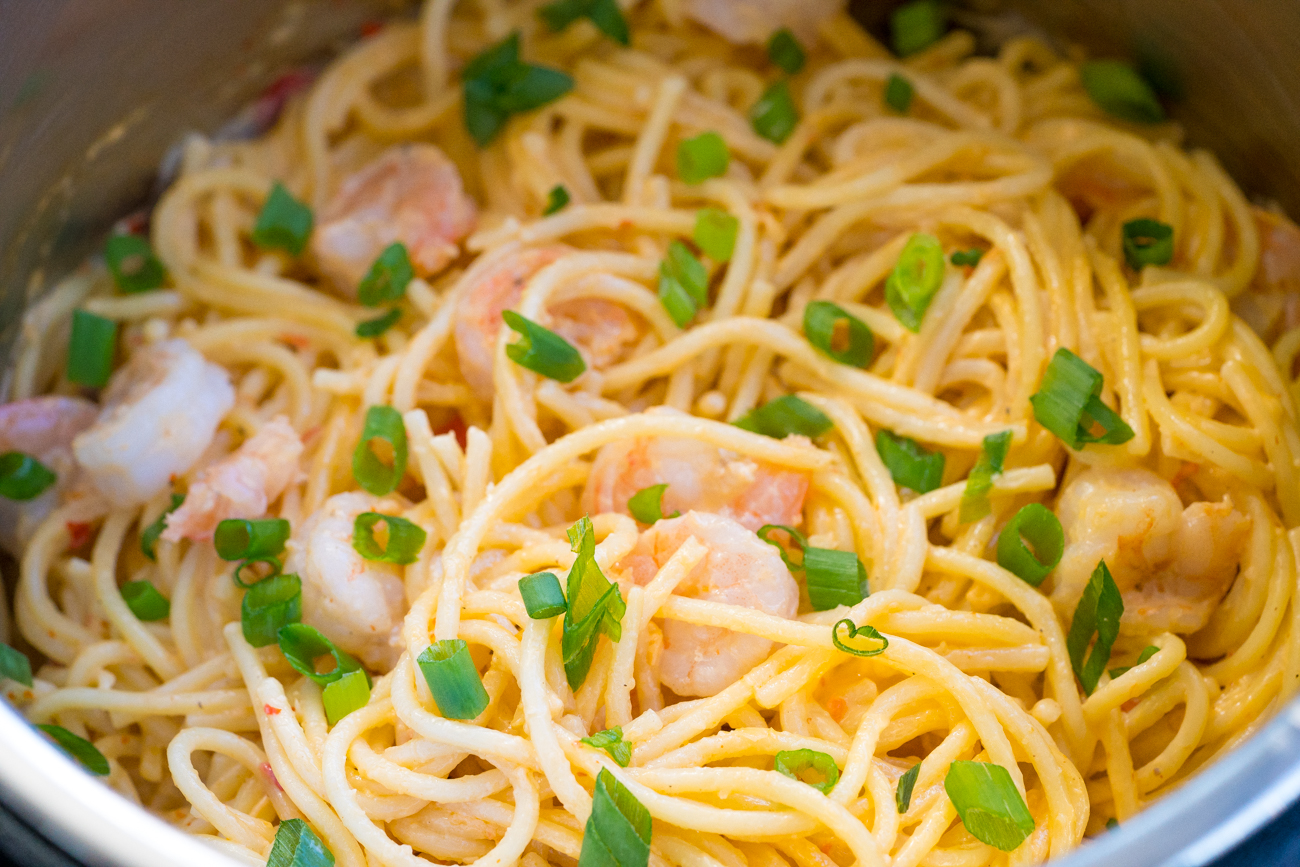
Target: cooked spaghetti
{"x":680,"y":433}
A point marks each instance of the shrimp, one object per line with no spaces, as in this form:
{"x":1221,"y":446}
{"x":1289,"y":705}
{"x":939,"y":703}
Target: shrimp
{"x":1271,"y":304}
{"x":601,"y":331}
{"x":699,"y":476}
{"x":748,"y":21}
{"x":1172,"y":564}
{"x":159,"y":415}
{"x":43,"y":427}
{"x":241,"y":485}
{"x":409,"y":193}
{"x":740,"y":569}
{"x":356,"y":603}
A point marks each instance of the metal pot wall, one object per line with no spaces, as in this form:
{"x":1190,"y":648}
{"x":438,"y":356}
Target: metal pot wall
{"x":93,"y":92}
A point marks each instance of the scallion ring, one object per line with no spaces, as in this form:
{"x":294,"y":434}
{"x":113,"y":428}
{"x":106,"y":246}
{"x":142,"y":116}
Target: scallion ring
{"x":454,"y":682}
{"x":784,"y":416}
{"x":542,"y":595}
{"x":1036,"y":525}
{"x":865,"y":631}
{"x":91,"y":349}
{"x":405,"y":539}
{"x":702,"y":157}
{"x":270,"y":605}
{"x":796,"y":763}
{"x":22,"y":477}
{"x":283,"y":223}
{"x":384,"y":426}
{"x":243,"y":538}
{"x":340,"y":698}
{"x":145,"y":602}
{"x":838,"y":333}
{"x":989,"y":804}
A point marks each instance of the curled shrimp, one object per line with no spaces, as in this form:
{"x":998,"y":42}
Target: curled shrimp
{"x":1271,"y":304}
{"x":601,"y":331}
{"x":409,"y":193}
{"x":160,"y":412}
{"x":747,"y":21}
{"x":1172,"y":564}
{"x":356,"y":603}
{"x":240,"y":485}
{"x":740,"y":569}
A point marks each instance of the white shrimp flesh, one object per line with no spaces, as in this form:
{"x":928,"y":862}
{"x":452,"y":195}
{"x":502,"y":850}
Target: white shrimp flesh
{"x":751,"y":21}
{"x":1271,"y":304}
{"x":740,"y":569}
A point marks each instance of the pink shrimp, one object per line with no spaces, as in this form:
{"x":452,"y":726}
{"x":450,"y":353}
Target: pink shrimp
{"x":743,"y":21}
{"x":1271,"y":304}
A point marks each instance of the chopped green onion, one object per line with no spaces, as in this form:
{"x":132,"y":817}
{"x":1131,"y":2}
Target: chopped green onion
{"x":611,"y":741}
{"x":827,"y":325}
{"x":595,"y":606}
{"x":798,"y":541}
{"x":715,"y":233}
{"x":795,"y":763}
{"x":1148,"y":242}
{"x":786,"y":415}
{"x":898,"y":93}
{"x":968,"y":258}
{"x":377,"y":326}
{"x":1068,"y":404}
{"x":865,"y":631}
{"x":22,"y":477}
{"x":79,"y":748}
{"x":915,"y":279}
{"x":833,"y":578}
{"x":385,"y":424}
{"x":1112,"y":823}
{"x":917,"y":25}
{"x":1121,"y":91}
{"x":303,"y":645}
{"x":646,"y":505}
{"x":911,"y":464}
{"x":1147,"y":652}
{"x":134,"y":266}
{"x":785,"y":52}
{"x":15,"y":665}
{"x":1031,"y":562}
{"x":975,"y":499}
{"x":989,"y":804}
{"x":498,"y":84}
{"x":91,"y":349}
{"x":1098,"y":612}
{"x":296,"y":845}
{"x":145,"y":602}
{"x":284,"y":223}
{"x":775,"y":116}
{"x":556,"y":200}
{"x":242,"y":538}
{"x":542,"y":595}
{"x":683,"y":284}
{"x":453,"y":680}
{"x":542,"y":350}
{"x":270,"y":605}
{"x":605,"y":14}
{"x":387,"y":278}
{"x":350,"y":692}
{"x":906,"y":783}
{"x":702,"y":157}
{"x":272,"y":562}
{"x":618,"y":830}
{"x":405,"y":539}
{"x":149,"y":537}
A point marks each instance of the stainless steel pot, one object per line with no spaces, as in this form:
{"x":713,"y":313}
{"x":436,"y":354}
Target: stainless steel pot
{"x":92,"y":93}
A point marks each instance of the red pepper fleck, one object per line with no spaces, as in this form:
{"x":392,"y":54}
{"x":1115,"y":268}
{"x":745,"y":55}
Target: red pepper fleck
{"x":837,"y":708}
{"x":1129,"y":705}
{"x":456,"y":426}
{"x":269,"y":710}
{"x":270,"y":776}
{"x":370,"y":28}
{"x":297,"y":341}
{"x":78,"y":534}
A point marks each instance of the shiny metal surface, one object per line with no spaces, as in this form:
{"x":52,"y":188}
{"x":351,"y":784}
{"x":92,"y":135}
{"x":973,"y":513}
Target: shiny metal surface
{"x":93,"y":92}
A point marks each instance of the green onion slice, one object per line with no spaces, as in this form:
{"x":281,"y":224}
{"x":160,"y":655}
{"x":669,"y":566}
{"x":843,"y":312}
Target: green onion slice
{"x":350,"y":692}
{"x":853,"y":633}
{"x":911,"y":464}
{"x":833,"y":578}
{"x":556,"y":200}
{"x":611,"y":741}
{"x":917,"y":25}
{"x":838,"y":333}
{"x":145,"y":602}
{"x":1147,"y":652}
{"x":898,"y":93}
{"x":387,"y":278}
{"x":975,"y":499}
{"x":133,"y":264}
{"x":798,"y":541}
{"x":646,"y":505}
{"x":543,"y":351}
{"x":296,"y":845}
{"x":91,"y":349}
{"x":405,"y":539}
{"x":542,"y":595}
{"x":785,"y":52}
{"x":453,"y":680}
{"x":715,"y":233}
{"x":618,"y":830}
{"x":1068,"y":404}
{"x":702,"y":157}
{"x":1036,"y":525}
{"x":242,"y":538}
{"x":1148,"y":242}
{"x":775,"y":116}
{"x":304,"y":646}
{"x":683,"y":284}
{"x":385,"y":424}
{"x":796,"y":763}
{"x":79,"y":748}
{"x":284,"y":222}
{"x":377,"y":326}
{"x":498,"y":84}
{"x":1121,"y":91}
{"x":595,"y":606}
{"x":150,"y":535}
{"x":22,"y":477}
{"x":15,"y":665}
{"x":915,"y":279}
{"x":989,"y":804}
{"x":605,"y":14}
{"x":273,"y":569}
{"x":1112,"y":823}
{"x":906,"y":783}
{"x":1098,"y":612}
{"x":270,"y":605}
{"x":786,"y":415}
{"x":966,"y":258}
